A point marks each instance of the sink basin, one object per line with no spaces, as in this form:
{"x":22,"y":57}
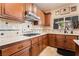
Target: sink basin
{"x":31,"y":34}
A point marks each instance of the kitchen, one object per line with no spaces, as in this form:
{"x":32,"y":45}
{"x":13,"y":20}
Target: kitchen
{"x":39,"y":29}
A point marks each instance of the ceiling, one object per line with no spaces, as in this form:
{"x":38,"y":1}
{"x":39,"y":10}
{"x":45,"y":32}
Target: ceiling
{"x":49,"y":6}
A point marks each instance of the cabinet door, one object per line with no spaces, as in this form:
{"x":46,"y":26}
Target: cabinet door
{"x":60,"y":41}
{"x":45,"y":41}
{"x":24,"y":52}
{"x":77,"y":50}
{"x":34,"y":9}
{"x":40,"y":43}
{"x":41,"y":15}
{"x":35,"y":49}
{"x":0,"y":8}
{"x":47,"y":19}
{"x":15,"y":10}
{"x":29,"y":7}
{"x":52,"y":40}
{"x":70,"y":45}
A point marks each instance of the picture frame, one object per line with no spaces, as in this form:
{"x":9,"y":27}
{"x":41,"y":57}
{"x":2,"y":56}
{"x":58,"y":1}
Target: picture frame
{"x":73,"y":8}
{"x":57,"y":12}
{"x":65,"y":10}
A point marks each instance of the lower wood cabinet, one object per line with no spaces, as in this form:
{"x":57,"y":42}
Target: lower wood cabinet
{"x":35,"y":49}
{"x":45,"y":41}
{"x":34,"y":46}
{"x":77,"y":50}
{"x":40,"y":44}
{"x":60,"y":41}
{"x":70,"y":44}
{"x":24,"y":52}
{"x":14,"y":47}
{"x":52,"y":40}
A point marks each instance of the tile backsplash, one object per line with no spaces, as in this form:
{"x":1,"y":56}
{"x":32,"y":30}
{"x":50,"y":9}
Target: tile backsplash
{"x":13,"y":28}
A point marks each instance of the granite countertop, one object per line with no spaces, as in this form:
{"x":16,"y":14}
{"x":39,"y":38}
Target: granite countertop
{"x":8,"y":40}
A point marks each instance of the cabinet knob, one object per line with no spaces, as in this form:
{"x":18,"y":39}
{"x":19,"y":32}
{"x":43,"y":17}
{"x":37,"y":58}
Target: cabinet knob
{"x":21,"y":46}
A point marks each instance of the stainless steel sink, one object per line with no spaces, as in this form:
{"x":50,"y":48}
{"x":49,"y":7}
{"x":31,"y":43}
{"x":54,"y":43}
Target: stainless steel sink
{"x":31,"y":34}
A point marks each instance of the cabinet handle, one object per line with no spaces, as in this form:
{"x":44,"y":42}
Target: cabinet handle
{"x":30,"y":49}
{"x":64,"y":40}
{"x":20,"y":47}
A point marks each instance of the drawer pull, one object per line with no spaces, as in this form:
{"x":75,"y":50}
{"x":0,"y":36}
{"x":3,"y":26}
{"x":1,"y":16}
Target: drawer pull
{"x":20,"y":47}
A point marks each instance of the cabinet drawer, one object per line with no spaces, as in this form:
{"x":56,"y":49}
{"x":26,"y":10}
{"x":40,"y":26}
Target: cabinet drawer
{"x":60,"y":36}
{"x":70,"y":37}
{"x":24,"y":52}
{"x":34,"y":40}
{"x":16,"y":47}
{"x":40,"y":38}
{"x":51,"y":36}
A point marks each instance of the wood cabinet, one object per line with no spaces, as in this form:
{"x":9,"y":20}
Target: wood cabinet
{"x":15,"y":10}
{"x":52,"y":40}
{"x":77,"y":50}
{"x":13,"y":48}
{"x":24,"y":52}
{"x":34,"y":9}
{"x":35,"y":40}
{"x":69,"y":44}
{"x":47,"y":19}
{"x":60,"y":41}
{"x":45,"y":41}
{"x":42,"y":17}
{"x":0,"y":8}
{"x":29,"y":7}
{"x":40,"y":43}
{"x":35,"y":49}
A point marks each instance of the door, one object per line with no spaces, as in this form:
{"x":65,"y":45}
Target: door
{"x":24,"y":52}
{"x":60,"y":41}
{"x":35,"y":49}
{"x":45,"y":41}
{"x":70,"y":44}
{"x":15,"y":10}
{"x":52,"y":40}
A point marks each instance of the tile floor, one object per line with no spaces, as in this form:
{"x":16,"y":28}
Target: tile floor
{"x":49,"y":51}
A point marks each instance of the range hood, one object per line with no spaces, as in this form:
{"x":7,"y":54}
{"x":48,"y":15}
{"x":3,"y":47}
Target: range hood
{"x":31,"y":16}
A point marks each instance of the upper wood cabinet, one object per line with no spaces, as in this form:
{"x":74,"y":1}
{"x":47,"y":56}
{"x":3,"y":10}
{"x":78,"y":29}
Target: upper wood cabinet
{"x":0,"y":8}
{"x":15,"y":10}
{"x":29,"y":7}
{"x":47,"y":19}
{"x":41,"y":15}
{"x":34,"y":9}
